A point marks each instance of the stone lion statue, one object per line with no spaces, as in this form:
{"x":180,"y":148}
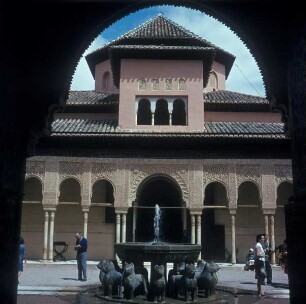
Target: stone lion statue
{"x":158,"y":283}
{"x":207,"y":278}
{"x":134,"y":284}
{"x":184,"y":284}
{"x":109,"y":277}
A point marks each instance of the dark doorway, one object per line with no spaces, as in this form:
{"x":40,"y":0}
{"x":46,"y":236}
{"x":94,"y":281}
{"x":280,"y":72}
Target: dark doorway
{"x":213,"y":235}
{"x":167,"y":195}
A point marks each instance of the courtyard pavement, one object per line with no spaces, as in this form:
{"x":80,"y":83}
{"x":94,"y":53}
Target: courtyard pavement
{"x":51,"y":278}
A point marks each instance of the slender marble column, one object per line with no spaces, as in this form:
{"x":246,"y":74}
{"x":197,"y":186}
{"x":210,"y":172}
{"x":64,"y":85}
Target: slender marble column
{"x":123,"y":227}
{"x":192,"y":229}
{"x":134,"y":223}
{"x":46,"y":229}
{"x":85,"y":223}
{"x":118,"y":227}
{"x":233,"y":222}
{"x":52,"y":216}
{"x":272,"y":242}
{"x":199,"y":235}
{"x":266,"y":224}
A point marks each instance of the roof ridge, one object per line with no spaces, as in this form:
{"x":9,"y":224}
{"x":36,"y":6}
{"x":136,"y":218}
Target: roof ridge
{"x":173,"y":23}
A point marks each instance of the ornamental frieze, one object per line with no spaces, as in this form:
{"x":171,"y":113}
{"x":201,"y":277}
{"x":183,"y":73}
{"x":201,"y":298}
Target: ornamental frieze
{"x":248,"y":173}
{"x":67,"y":169}
{"x":138,"y":174}
{"x":103,"y":171}
{"x":36,"y":168}
{"x":283,"y":173}
{"x":215,"y":173}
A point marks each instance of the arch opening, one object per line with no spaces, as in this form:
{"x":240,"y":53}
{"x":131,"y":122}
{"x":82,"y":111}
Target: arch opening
{"x":164,"y":192}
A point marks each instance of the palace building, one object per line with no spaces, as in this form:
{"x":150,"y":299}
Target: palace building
{"x":159,"y":128}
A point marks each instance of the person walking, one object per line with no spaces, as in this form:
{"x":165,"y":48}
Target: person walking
{"x":268,"y":251}
{"x":81,"y":257}
{"x":22,"y":257}
{"x":260,"y":259}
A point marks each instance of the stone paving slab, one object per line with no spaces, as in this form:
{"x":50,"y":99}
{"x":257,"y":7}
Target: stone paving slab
{"x":47,"y":278}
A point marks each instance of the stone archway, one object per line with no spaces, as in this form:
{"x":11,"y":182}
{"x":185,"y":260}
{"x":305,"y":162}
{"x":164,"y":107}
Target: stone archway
{"x":260,"y":23}
{"x":166,"y":193}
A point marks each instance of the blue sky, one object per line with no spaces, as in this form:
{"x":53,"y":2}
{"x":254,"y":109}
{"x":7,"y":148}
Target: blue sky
{"x":244,"y":77}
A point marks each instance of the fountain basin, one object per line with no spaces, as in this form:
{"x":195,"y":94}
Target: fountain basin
{"x":158,"y":252}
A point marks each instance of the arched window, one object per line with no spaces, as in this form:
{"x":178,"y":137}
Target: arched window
{"x":103,"y":195}
{"x":168,"y":83}
{"x":106,"y":81}
{"x":141,"y":85}
{"x":161,"y":113}
{"x":155,"y":84}
{"x":213,"y":81}
{"x":70,"y":191}
{"x":179,"y":113}
{"x":144,"y":115}
{"x":181,"y":84}
{"x":32,"y":190}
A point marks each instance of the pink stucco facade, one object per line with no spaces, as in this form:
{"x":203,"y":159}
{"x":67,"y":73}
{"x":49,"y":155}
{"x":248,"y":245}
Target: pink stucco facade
{"x":134,"y":70}
{"x":101,"y":69}
{"x":219,"y":71}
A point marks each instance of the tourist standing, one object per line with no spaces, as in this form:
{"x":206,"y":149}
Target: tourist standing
{"x":260,"y":258}
{"x":22,"y":256}
{"x":267,"y":248}
{"x":81,"y":257}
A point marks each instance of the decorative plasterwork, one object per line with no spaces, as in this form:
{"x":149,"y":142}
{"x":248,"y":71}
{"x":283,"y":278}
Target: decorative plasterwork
{"x":248,"y":173}
{"x":71,"y":169}
{"x":35,"y":169}
{"x":139,"y":173}
{"x":283,"y":173}
{"x":215,"y":173}
{"x":104,"y":171}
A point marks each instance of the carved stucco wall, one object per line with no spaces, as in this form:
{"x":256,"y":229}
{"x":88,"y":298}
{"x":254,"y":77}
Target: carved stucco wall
{"x":35,"y":169}
{"x":102,"y":171}
{"x":139,"y":172}
{"x":128,"y":174}
{"x":283,"y":173}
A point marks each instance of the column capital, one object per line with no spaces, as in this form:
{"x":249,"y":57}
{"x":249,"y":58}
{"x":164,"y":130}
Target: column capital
{"x":233,"y":211}
{"x":49,"y":208}
{"x":196,"y":211}
{"x":122,"y":210}
{"x":85,"y":208}
{"x":268,"y":211}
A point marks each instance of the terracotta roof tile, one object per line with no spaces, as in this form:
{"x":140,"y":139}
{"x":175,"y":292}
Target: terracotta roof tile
{"x":81,"y":127}
{"x":92,"y":98}
{"x":228,"y":97}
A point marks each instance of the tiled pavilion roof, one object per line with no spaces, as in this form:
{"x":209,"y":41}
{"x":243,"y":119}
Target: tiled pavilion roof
{"x":226,"y":97}
{"x":232,"y":101}
{"x":159,"y":31}
{"x":92,"y":98}
{"x":89,"y":127}
{"x":220,"y":100}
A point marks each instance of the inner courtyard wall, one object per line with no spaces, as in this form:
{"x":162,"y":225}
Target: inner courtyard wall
{"x":126,"y":175}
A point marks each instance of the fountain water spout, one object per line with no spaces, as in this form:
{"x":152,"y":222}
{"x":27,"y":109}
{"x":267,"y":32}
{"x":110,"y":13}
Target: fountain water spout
{"x":156,"y":224}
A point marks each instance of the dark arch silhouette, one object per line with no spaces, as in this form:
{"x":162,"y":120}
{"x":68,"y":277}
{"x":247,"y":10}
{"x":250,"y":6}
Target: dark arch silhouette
{"x":144,"y":115}
{"x":165,"y":193}
{"x":258,"y":27}
{"x":179,"y":113}
{"x":161,"y":113}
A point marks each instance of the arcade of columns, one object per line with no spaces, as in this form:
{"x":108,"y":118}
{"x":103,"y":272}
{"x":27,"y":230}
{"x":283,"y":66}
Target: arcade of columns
{"x":128,"y":174}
